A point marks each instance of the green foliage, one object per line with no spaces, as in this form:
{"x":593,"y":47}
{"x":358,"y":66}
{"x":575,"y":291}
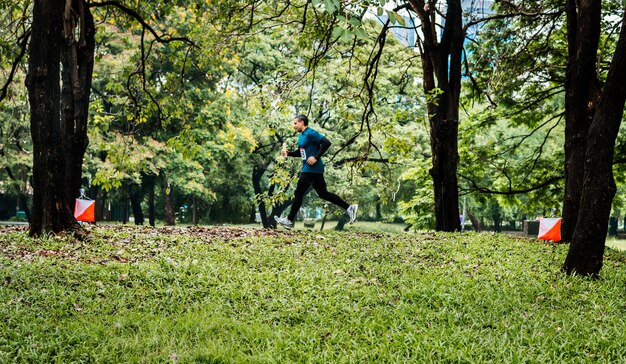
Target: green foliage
{"x":499,"y":158}
{"x":15,"y":141}
{"x":230,"y":295}
{"x":172,"y":116}
{"x":277,"y":81}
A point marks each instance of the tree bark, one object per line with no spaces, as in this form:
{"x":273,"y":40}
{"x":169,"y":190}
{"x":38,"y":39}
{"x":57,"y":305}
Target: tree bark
{"x":170,"y":219}
{"x":78,"y":61}
{"x":136,"y":196}
{"x":441,"y":69}
{"x":194,"y":211}
{"x":586,"y":251}
{"x":475,"y":223}
{"x":582,"y":94}
{"x":51,"y":212}
{"x":125,"y":206}
{"x":149,"y":182}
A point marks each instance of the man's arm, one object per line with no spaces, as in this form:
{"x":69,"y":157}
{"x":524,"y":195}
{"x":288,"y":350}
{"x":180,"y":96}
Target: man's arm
{"x":324,"y":145}
{"x":294,"y":153}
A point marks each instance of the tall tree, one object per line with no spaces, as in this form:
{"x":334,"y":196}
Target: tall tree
{"x":441,"y":69}
{"x":51,"y":211}
{"x":582,"y":95}
{"x":585,"y":255}
{"x":61,"y":54}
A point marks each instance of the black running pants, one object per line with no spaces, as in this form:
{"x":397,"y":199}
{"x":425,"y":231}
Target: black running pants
{"x":316,"y":180}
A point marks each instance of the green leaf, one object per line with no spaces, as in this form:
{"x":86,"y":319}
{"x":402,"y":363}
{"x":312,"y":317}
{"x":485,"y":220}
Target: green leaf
{"x":347,"y":35}
{"x":338,"y":32}
{"x":400,"y":19}
{"x":357,"y":22}
{"x":360,"y":33}
{"x":331,"y":5}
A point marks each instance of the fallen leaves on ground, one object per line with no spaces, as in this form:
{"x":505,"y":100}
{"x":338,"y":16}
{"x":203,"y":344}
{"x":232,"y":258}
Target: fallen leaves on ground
{"x":118,"y":243}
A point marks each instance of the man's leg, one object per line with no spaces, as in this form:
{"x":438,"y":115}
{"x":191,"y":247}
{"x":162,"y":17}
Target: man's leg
{"x":319,"y":184}
{"x":301,"y":189}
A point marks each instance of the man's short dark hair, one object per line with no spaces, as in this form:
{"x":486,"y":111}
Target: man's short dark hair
{"x":303,"y":118}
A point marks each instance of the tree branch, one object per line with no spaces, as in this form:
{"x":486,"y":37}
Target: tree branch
{"x":22,"y":43}
{"x":509,"y":15}
{"x":135,"y":15}
{"x":360,"y":159}
{"x":476,"y":188}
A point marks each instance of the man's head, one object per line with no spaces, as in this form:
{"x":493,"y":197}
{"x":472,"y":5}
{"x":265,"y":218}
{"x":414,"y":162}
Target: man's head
{"x":300,"y":122}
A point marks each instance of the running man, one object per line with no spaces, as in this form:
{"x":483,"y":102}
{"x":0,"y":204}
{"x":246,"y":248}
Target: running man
{"x":311,"y":146}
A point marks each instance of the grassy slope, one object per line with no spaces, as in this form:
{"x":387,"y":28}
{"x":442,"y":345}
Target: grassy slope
{"x":189,"y":295}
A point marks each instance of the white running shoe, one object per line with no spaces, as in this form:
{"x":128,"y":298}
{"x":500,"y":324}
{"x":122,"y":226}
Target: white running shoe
{"x":284,"y":222}
{"x":352,"y":212}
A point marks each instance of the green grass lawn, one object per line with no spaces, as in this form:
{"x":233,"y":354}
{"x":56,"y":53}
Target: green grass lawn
{"x":231,"y":295}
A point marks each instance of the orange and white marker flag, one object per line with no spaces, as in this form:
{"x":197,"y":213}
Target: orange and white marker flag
{"x":85,"y":210}
{"x":549,"y":229}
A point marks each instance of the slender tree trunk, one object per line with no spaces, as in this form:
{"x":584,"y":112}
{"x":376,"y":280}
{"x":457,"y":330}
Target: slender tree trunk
{"x":51,"y":212}
{"x":101,"y":207}
{"x":585,"y":255}
{"x":135,"y":201}
{"x":125,"y":207}
{"x":170,"y":219}
{"x":151,"y":217}
{"x":582,"y":94}
{"x":194,"y":211}
{"x":496,"y":216}
{"x":147,"y":183}
{"x":475,"y":223}
{"x":257,"y":174}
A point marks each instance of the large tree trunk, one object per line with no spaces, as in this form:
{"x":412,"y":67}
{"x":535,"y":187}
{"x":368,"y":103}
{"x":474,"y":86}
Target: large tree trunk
{"x":441,"y":66}
{"x":50,"y":209}
{"x":582,"y":94}
{"x":586,"y":250}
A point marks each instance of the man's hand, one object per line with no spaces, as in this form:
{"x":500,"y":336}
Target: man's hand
{"x":311,"y":161}
{"x":283,"y":152}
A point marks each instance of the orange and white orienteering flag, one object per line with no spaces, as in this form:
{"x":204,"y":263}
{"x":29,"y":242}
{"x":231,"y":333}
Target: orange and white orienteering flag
{"x":85,"y":210}
{"x":549,"y":229}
